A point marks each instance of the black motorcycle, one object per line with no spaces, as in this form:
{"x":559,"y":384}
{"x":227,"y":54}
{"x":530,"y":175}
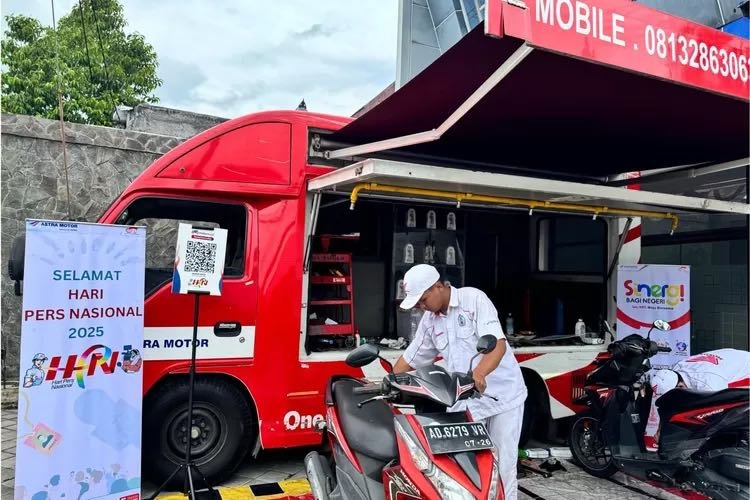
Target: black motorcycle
{"x":703,"y":443}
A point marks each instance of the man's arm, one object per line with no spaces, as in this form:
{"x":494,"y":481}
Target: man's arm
{"x":489,"y":362}
{"x":488,"y":323}
{"x":420,"y":351}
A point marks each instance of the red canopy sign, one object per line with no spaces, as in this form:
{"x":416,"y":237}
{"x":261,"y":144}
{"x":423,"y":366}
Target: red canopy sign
{"x":631,"y":36}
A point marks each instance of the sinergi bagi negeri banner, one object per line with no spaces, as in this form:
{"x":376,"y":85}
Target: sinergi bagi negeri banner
{"x":80,"y":388}
{"x":649,"y":292}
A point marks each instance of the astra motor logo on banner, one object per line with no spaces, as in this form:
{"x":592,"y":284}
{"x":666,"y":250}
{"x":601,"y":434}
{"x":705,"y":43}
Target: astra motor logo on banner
{"x":649,"y":292}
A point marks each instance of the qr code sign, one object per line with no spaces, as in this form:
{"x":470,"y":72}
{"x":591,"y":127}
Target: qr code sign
{"x":200,"y":257}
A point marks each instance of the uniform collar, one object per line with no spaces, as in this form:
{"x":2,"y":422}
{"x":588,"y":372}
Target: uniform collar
{"x":452,"y":302}
{"x":454,"y":297}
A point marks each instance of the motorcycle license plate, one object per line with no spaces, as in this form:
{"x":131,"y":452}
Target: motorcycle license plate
{"x":454,"y":438}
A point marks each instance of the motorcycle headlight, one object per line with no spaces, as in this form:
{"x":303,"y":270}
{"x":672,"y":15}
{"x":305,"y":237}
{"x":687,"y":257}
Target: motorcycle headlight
{"x":445,"y":485}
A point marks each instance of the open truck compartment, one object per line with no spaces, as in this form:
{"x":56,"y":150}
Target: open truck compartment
{"x":496,"y":250}
{"x":543,"y":250}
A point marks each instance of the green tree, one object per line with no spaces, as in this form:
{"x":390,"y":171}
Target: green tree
{"x":99,"y":70}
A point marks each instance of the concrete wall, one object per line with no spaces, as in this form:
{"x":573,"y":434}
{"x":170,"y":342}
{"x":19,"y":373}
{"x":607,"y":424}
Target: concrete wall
{"x":167,"y":121}
{"x":101,"y":161}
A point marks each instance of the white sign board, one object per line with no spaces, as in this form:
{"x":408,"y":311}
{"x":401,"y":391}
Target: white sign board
{"x":80,"y":388}
{"x":649,"y":292}
{"x":199,"y":260}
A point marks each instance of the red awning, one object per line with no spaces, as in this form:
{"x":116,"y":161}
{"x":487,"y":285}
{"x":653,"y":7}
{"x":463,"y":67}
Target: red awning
{"x":558,"y":113}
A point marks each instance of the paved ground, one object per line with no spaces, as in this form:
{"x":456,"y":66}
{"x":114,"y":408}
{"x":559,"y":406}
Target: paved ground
{"x":272,"y":467}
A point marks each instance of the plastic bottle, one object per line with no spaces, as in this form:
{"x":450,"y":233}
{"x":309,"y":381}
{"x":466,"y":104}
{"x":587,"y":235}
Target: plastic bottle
{"x":580,"y":328}
{"x":509,"y":324}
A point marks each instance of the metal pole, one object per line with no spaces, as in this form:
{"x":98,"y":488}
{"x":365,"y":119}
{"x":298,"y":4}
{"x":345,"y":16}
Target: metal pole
{"x":191,"y":385}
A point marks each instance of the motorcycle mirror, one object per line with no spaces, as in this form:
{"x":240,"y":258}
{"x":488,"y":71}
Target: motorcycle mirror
{"x":662,"y":325}
{"x":363,"y":355}
{"x":486,"y":344}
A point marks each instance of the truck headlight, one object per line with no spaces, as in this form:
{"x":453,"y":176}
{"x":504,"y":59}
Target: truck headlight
{"x":446,"y":486}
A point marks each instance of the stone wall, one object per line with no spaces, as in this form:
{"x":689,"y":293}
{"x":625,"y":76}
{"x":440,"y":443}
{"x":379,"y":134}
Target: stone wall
{"x":168,"y":121}
{"x":101,"y":161}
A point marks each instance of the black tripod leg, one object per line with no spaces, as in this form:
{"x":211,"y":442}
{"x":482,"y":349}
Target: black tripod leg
{"x":203,"y":477}
{"x":189,"y":476}
{"x":164,"y":484}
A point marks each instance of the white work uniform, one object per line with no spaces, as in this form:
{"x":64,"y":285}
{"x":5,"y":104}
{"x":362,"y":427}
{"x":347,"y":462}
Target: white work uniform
{"x":715,"y":370}
{"x":454,"y":335}
{"x":709,"y":371}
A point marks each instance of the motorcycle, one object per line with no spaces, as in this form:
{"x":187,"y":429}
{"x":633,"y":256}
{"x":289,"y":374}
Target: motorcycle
{"x":379,"y":450}
{"x":703,"y":442}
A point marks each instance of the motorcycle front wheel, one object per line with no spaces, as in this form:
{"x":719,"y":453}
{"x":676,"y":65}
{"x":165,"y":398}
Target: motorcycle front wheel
{"x":588,"y":448}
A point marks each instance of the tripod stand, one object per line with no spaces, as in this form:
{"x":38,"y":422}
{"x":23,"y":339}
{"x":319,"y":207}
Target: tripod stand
{"x":188,"y":465}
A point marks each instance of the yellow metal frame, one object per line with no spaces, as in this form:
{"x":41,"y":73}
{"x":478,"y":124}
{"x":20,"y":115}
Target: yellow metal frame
{"x":517,"y":202}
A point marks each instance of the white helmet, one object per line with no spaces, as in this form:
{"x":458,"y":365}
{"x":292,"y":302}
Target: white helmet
{"x":663,"y":381}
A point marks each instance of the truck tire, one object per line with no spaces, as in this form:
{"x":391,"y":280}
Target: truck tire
{"x":529,"y":417}
{"x":223,"y":421}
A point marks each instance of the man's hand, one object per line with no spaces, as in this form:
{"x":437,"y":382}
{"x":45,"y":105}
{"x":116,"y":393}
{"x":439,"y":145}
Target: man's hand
{"x":479,"y":382}
{"x":402,"y":366}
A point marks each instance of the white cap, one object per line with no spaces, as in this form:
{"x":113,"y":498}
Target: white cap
{"x":663,"y":381}
{"x":416,"y":282}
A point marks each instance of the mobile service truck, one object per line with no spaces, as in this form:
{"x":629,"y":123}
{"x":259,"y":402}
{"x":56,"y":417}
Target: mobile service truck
{"x":502,"y":163}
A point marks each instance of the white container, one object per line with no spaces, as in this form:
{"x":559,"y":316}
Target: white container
{"x":509,"y":324}
{"x":580,"y":329}
{"x":411,"y":218}
{"x":431,"y":220}
{"x":560,"y":453}
{"x":409,"y":254}
{"x":537,"y":453}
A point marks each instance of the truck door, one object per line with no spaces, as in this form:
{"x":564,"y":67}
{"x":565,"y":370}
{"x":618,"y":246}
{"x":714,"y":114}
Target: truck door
{"x":224,"y":424}
{"x":168,"y":316}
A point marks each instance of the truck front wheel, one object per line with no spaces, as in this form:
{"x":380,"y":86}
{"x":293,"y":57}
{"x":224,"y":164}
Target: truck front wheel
{"x":223,"y":428}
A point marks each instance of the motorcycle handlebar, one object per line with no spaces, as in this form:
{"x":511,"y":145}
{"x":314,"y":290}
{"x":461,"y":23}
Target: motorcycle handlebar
{"x":367,"y":389}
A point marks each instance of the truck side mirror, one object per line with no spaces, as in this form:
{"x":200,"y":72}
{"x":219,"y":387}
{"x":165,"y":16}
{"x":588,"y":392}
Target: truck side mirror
{"x":16,"y":262}
{"x":486,"y":344}
{"x":363,"y":355}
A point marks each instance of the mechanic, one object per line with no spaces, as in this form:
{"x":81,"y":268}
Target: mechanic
{"x":454,"y":320}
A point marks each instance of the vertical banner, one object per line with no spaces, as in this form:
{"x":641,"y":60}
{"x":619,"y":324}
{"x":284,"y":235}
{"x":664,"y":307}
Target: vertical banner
{"x":649,"y":292}
{"x":80,"y":388}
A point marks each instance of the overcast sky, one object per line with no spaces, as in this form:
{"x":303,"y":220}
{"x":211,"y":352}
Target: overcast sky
{"x":229,"y":58}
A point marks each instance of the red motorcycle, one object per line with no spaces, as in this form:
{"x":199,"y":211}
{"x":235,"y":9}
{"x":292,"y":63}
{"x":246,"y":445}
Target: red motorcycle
{"x":703,"y":443}
{"x":381,"y":452}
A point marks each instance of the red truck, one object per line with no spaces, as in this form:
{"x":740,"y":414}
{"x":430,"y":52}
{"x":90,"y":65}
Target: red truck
{"x":515,"y":131}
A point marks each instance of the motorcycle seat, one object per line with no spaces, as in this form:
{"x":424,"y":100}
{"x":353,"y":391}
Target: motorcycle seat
{"x":678,"y":400}
{"x":368,"y":430}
